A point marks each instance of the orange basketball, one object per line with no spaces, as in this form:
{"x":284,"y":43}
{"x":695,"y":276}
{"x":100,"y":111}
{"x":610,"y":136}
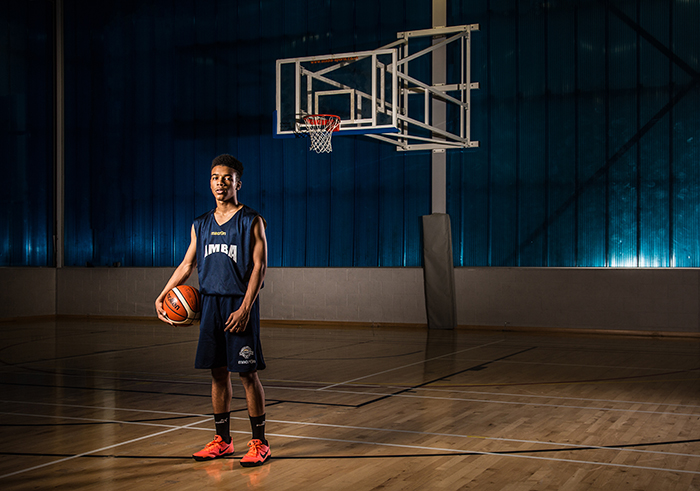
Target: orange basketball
{"x":182,"y":305}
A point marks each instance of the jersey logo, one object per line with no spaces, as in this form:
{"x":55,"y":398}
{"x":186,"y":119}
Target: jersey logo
{"x":230,"y":250}
{"x":218,"y":233}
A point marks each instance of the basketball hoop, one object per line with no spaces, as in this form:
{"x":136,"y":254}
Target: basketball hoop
{"x":320,"y":128}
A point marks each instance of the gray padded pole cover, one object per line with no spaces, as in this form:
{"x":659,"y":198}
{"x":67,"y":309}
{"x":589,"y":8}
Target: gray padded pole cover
{"x":438,"y":272}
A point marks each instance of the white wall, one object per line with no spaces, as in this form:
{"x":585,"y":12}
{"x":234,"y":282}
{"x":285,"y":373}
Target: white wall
{"x":648,"y":300}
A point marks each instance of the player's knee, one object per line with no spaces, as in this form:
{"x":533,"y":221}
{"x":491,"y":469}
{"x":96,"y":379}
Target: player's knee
{"x":220,"y":374}
{"x":248,"y":378}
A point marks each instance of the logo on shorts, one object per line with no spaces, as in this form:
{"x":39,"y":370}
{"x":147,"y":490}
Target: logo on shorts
{"x":246,"y":352}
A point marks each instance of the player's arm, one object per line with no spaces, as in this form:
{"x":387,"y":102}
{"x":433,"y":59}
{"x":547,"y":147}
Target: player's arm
{"x":238,"y":320}
{"x":180,"y":275}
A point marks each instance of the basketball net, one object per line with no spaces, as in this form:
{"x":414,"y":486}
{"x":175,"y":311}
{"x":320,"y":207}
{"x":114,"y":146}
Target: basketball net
{"x":320,"y":128}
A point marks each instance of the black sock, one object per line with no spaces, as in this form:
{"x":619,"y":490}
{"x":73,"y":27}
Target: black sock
{"x":221,"y":421}
{"x":257,"y":424}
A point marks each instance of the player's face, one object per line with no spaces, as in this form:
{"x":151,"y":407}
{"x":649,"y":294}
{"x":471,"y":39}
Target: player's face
{"x":224,"y":183}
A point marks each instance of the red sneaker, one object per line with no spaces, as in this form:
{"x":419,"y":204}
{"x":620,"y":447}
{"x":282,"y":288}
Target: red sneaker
{"x":257,"y":454}
{"x":214,"y":449}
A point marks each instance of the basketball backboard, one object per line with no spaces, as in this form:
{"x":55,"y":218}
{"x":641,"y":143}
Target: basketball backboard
{"x":375,"y":94}
{"x":360,"y":88}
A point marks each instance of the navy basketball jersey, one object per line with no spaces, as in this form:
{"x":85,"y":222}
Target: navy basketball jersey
{"x":224,"y":252}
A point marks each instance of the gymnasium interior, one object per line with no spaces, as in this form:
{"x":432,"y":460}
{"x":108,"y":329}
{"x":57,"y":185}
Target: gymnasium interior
{"x":519,"y":310}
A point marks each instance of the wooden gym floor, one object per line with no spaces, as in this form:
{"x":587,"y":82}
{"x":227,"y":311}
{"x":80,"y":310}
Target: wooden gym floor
{"x":98,"y":405}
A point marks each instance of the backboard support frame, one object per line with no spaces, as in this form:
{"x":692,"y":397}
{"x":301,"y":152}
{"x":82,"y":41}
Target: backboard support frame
{"x":381,"y":94}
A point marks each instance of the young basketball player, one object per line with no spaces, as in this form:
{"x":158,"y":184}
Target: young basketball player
{"x":229,"y":249}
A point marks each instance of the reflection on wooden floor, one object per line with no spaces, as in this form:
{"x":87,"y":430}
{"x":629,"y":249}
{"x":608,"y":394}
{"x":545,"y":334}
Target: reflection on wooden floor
{"x":117,"y":406}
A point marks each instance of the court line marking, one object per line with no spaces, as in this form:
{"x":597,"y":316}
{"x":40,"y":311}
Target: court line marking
{"x":328,"y":425}
{"x":488,"y":438}
{"x":421,"y":362}
{"x":437,"y":388}
{"x":101,"y":420}
{"x":84,"y":355}
{"x":360,"y":442}
{"x":583,"y":365}
{"x":79,"y":373}
{"x":535,"y":396}
{"x":89,"y":452}
{"x":504,"y":394}
{"x":427,"y":383}
{"x":488,"y":401}
{"x":477,"y":452}
{"x":80,"y":406}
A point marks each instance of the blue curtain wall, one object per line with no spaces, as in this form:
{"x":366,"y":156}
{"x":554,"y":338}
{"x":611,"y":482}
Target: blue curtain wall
{"x":26,"y":133}
{"x":587,"y":119}
{"x":158,"y":88}
{"x":589,"y":130}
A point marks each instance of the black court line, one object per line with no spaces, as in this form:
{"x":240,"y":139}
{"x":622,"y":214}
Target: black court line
{"x":353,"y":358}
{"x":277,"y":401}
{"x":385,"y":456}
{"x":478,"y":367}
{"x":123,"y":421}
{"x":23,"y":364}
{"x":179,"y":394}
{"x":268,"y":404}
{"x":88,"y":423}
{"x":321,"y":350}
{"x":105,"y":389}
{"x":581,"y":381}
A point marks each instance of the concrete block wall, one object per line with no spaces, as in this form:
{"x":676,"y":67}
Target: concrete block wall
{"x":27,"y":292}
{"x":111,"y":292}
{"x":648,"y":300}
{"x":351,"y":295}
{"x":637,"y":300}
{"x":367,"y":295}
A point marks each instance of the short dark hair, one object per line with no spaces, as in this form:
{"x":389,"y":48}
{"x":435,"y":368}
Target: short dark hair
{"x":228,"y":161}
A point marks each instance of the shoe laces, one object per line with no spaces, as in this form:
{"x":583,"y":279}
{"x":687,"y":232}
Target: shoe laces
{"x":255,"y":446}
{"x":217,"y":441}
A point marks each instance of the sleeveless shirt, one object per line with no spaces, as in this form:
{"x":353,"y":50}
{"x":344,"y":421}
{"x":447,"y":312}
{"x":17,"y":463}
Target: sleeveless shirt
{"x":224,"y":252}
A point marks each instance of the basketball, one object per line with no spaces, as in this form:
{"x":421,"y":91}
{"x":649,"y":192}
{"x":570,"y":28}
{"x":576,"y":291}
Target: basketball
{"x":182,"y":305}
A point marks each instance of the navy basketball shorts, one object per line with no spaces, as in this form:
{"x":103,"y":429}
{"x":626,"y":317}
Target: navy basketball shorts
{"x":240,"y":352}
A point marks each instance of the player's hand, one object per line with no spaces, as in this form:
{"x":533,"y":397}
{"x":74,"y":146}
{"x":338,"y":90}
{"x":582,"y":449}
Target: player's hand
{"x":237,"y":321}
{"x":161,"y":312}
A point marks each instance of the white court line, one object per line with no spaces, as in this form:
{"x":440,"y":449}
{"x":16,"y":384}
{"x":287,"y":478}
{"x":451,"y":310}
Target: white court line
{"x":583,"y":365}
{"x":79,"y":406}
{"x":410,"y":365}
{"x":439,"y":388}
{"x":418,"y":447}
{"x":358,"y":442}
{"x":327,"y":425}
{"x":613,"y":401}
{"x":476,"y":452}
{"x":100,"y":420}
{"x":474,"y":437}
{"x":486,"y":401}
{"x":72,"y":457}
{"x":361,"y":427}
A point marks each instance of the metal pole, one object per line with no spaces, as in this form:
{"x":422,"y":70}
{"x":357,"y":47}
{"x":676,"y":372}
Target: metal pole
{"x":59,"y":136}
{"x":439,"y":112}
{"x":438,"y":264}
